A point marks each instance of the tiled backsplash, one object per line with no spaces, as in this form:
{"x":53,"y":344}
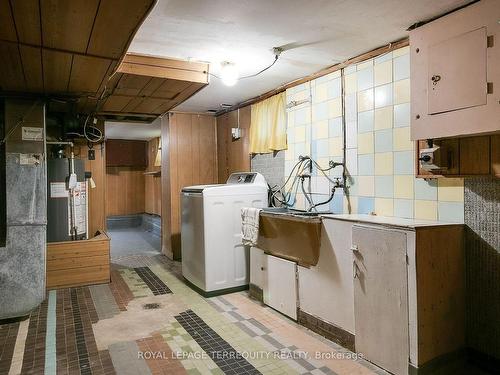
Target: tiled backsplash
{"x":380,"y":157}
{"x":271,"y":166}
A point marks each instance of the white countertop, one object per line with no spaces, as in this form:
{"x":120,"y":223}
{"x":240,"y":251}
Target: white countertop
{"x":385,"y":220}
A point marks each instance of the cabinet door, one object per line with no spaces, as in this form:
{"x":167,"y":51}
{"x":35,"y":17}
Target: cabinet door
{"x":280,"y":290}
{"x":258,"y":265}
{"x":380,"y":297}
{"x":457,"y":72}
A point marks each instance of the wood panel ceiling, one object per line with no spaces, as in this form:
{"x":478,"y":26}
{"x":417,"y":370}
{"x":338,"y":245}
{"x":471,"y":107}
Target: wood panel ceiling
{"x":65,"y":47}
{"x":149,"y":85}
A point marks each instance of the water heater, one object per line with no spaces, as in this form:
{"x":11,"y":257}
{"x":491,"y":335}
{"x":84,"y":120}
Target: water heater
{"x":66,"y":208}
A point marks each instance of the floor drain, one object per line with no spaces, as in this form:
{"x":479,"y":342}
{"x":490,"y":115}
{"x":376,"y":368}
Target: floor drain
{"x":150,"y":306}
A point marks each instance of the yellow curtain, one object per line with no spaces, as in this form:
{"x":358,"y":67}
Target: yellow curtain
{"x":268,"y":125}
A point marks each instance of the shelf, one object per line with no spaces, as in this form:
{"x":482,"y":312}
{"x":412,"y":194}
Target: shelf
{"x":153,"y":173}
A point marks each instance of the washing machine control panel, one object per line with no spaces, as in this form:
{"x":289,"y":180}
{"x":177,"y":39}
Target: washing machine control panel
{"x":241,"y":178}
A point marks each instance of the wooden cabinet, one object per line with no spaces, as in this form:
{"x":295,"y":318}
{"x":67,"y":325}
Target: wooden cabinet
{"x":409,"y":293}
{"x":455,"y":74}
{"x":464,"y":157}
{"x":77,"y":263}
{"x":126,"y":153}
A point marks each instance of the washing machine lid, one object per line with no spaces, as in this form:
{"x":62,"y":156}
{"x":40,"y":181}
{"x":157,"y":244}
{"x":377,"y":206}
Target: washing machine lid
{"x":198,"y":188}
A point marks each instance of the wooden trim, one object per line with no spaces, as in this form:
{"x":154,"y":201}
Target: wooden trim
{"x":364,"y":56}
{"x":326,"y":329}
{"x":166,"y":205}
{"x":162,"y":72}
{"x":141,"y":59}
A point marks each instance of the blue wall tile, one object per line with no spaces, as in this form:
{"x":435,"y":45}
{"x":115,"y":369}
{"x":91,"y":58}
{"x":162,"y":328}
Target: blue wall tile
{"x":425,"y":189}
{"x":335,"y":127}
{"x":333,"y":88}
{"x":403,"y":208}
{"x":451,"y":211}
{"x":337,"y":203}
{"x":404,"y":162}
{"x":383,"y":140}
{"x":366,"y":205}
{"x":365,"y":121}
{"x":384,"y":186}
{"x":366,"y":165}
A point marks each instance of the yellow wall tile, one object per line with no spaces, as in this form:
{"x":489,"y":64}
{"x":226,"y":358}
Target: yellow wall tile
{"x":383,"y":118}
{"x":300,"y":204}
{"x":403,"y":187}
{"x":335,"y":108}
{"x":320,"y":130}
{"x":383,"y":164}
{"x":323,"y":163}
{"x":290,"y":152}
{"x":364,"y":64}
{"x":383,"y":73}
{"x":301,"y":95}
{"x":425,"y":210}
{"x":384,"y":206}
{"x":351,"y":83}
{"x":335,"y":74}
{"x":401,"y":139}
{"x":300,"y":134}
{"x":366,"y":186}
{"x":402,"y":91}
{"x":365,"y":100}
{"x":320,"y":93}
{"x":451,"y":189}
{"x":290,"y":121}
{"x":335,"y":146}
{"x":401,"y":51}
{"x":352,"y":203}
{"x":307,"y":149}
{"x":365,"y":143}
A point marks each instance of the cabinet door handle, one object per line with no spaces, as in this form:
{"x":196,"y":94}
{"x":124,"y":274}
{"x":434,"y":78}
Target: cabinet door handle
{"x":435,"y":79}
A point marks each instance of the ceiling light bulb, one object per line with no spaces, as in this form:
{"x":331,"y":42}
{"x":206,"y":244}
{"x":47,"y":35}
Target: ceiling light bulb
{"x":229,"y":73}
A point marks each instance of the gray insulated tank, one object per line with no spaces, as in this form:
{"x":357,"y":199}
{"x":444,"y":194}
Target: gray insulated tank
{"x":58,"y":202}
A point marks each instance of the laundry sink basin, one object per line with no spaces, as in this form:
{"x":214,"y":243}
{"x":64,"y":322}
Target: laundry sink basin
{"x":290,"y":211}
{"x":290,"y":234}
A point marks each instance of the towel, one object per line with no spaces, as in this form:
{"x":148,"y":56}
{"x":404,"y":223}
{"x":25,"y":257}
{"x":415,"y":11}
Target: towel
{"x":250,"y":225}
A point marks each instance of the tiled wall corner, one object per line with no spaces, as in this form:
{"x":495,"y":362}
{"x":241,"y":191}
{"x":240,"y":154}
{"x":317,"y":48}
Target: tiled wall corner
{"x":380,"y":156}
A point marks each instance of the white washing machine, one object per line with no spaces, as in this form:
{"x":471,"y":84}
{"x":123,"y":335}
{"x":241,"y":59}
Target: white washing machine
{"x":214,"y":261}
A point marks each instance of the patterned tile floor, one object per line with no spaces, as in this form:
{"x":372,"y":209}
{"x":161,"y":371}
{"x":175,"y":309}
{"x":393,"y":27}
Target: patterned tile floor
{"x":147,"y":321}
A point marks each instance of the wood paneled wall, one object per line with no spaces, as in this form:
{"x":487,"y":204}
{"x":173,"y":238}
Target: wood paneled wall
{"x":125,"y":191}
{"x":153,"y":182}
{"x":189,"y":157}
{"x":233,"y":156}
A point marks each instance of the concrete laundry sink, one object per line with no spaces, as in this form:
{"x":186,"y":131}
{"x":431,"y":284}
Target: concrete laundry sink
{"x":290,"y":234}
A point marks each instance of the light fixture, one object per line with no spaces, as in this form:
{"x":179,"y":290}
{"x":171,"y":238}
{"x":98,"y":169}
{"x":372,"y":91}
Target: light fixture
{"x":229,"y":73}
